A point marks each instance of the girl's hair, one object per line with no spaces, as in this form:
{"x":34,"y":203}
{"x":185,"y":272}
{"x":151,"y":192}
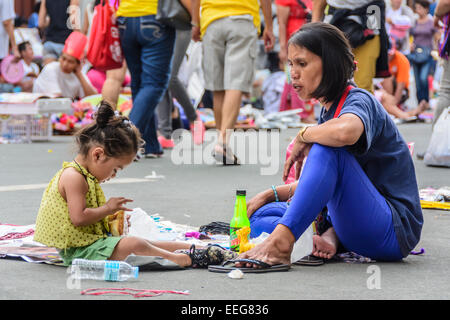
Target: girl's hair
{"x":338,"y":62}
{"x":114,"y":133}
{"x":424,"y":3}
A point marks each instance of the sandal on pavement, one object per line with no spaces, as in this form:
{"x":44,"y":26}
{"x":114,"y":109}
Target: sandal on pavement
{"x":310,"y":260}
{"x":213,"y":254}
{"x":229,"y":265}
{"x":226,"y":157}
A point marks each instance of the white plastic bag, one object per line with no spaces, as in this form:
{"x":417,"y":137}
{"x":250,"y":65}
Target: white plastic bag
{"x":142,"y":225}
{"x":438,"y":152}
{"x":303,"y":246}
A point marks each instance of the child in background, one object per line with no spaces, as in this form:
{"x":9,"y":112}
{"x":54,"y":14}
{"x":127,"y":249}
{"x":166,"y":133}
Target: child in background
{"x":65,"y":77}
{"x":31,"y":69}
{"x":73,"y":212}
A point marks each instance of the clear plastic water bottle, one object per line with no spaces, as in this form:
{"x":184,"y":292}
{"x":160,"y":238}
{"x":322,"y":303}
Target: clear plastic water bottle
{"x":103,"y":270}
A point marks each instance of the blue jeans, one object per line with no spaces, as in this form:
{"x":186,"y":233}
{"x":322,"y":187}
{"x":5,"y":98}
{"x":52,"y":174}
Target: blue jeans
{"x":148,"y":48}
{"x":361,"y":217}
{"x":421,"y":72}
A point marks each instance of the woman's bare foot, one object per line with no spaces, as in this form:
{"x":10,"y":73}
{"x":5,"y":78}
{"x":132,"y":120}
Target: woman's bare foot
{"x":276,"y":249}
{"x":325,"y":245}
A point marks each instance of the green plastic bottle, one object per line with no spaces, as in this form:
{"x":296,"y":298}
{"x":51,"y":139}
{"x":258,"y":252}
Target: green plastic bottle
{"x":239,"y":220}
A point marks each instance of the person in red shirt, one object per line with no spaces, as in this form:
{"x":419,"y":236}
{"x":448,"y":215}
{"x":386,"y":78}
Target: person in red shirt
{"x":292,"y":14}
{"x":394,"y":91}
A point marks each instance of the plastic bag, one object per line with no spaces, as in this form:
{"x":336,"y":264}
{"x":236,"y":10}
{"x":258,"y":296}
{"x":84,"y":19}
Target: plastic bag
{"x":142,"y":225}
{"x":438,"y":152}
{"x":303,"y":246}
{"x":104,"y":50}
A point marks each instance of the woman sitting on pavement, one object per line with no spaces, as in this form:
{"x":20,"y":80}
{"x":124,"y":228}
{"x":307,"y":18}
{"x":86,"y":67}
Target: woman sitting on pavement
{"x":358,"y":165}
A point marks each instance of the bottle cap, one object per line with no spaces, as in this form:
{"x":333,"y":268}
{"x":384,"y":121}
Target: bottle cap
{"x":241,"y":192}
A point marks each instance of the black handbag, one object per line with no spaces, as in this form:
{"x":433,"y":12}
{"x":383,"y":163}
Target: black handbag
{"x":174,"y":14}
{"x":420,"y":55}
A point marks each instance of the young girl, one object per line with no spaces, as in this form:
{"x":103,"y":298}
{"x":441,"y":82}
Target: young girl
{"x":73,"y":211}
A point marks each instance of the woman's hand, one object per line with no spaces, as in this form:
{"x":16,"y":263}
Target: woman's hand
{"x":258,"y":201}
{"x":298,"y":154}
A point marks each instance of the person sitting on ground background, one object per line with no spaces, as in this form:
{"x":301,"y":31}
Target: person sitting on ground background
{"x":352,"y":156}
{"x":30,"y":69}
{"x":73,"y":213}
{"x":64,"y":77}
{"x":392,"y":92}
{"x":109,"y":82}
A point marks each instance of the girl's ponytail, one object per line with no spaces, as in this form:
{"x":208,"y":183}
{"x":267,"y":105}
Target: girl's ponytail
{"x":115,"y":133}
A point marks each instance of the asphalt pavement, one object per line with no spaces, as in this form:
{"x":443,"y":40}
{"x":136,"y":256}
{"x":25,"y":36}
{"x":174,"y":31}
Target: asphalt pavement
{"x":188,"y":190}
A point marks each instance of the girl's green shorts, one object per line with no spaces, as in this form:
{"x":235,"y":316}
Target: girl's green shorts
{"x":101,"y":249}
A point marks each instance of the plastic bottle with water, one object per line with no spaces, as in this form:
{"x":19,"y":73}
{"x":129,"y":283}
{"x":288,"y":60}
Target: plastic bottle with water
{"x":103,"y":270}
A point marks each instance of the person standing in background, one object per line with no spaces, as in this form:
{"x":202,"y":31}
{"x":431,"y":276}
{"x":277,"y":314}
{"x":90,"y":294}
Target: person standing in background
{"x":399,"y":19}
{"x":177,"y":90}
{"x":368,"y":38}
{"x":442,"y":12}
{"x":54,"y":17}
{"x":229,"y":30}
{"x":148,"y":48}
{"x":7,"y":16}
{"x":424,"y":33}
{"x":291,"y":15}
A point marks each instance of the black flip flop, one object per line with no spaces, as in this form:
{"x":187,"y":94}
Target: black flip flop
{"x":224,"y":157}
{"x":263,"y":267}
{"x":310,"y":260}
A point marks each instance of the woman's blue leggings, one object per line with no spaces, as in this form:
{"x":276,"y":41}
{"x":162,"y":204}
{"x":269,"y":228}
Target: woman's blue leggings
{"x":360,"y":215}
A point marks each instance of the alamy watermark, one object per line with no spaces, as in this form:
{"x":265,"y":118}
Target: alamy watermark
{"x":74,"y":279}
{"x":374,"y":280}
{"x":373,"y":17}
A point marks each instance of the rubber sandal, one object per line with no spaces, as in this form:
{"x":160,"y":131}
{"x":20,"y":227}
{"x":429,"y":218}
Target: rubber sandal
{"x":153,"y":155}
{"x":310,"y":260}
{"x":263,"y":266}
{"x":224,"y":158}
{"x":213,"y":254}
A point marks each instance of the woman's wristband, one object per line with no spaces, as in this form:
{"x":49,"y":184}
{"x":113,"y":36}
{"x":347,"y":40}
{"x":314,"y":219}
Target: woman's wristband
{"x":275,"y":194}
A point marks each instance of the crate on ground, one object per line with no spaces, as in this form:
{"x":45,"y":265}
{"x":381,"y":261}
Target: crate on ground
{"x":17,"y":128}
{"x":25,"y":117}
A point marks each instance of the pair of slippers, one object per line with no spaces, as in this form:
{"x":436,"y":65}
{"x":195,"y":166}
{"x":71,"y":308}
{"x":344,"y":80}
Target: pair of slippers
{"x":229,"y":265}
